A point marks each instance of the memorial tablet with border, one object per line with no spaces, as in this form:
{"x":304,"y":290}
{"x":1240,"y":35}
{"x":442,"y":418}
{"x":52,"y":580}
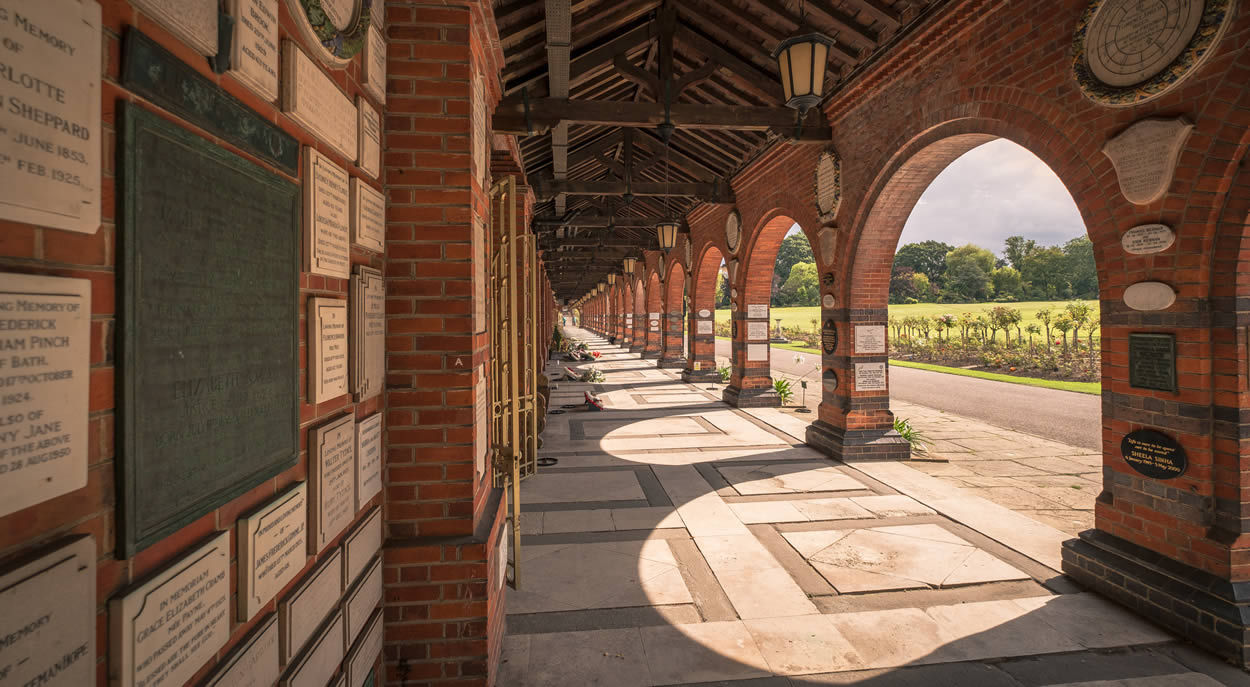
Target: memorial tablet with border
{"x":1154,"y":454}
{"x":332,"y":474}
{"x":254,"y":663}
{"x":300,"y":613}
{"x":273,"y":545}
{"x":1152,"y":361}
{"x":210,"y":249}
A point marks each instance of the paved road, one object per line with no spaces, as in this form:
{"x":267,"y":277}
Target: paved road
{"x":1062,"y":416}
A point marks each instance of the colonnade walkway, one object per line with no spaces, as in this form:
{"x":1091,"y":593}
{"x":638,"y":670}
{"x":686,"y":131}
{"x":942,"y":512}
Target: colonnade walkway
{"x":680,"y":541}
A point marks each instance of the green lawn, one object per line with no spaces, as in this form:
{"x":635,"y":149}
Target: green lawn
{"x":802,"y":317}
{"x":1079,"y":387}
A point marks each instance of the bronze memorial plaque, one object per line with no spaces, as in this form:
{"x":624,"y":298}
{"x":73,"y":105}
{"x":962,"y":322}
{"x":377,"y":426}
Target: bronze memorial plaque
{"x":209,"y":333}
{"x":1154,"y":454}
{"x":1152,"y":361}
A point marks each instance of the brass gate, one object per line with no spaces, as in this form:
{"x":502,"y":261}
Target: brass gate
{"x":514,"y":350}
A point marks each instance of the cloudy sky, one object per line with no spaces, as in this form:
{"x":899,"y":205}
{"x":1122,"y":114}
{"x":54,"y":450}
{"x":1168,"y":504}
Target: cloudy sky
{"x":994,"y":191}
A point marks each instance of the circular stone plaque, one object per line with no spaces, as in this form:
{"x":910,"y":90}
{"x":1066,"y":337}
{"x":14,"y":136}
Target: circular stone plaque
{"x":337,"y":27}
{"x":705,"y":313}
{"x":1149,"y":295}
{"x":733,"y":293}
{"x":828,"y":300}
{"x":1147,"y":239}
{"x":1129,"y":51}
{"x":1154,"y":454}
{"x":733,"y":231}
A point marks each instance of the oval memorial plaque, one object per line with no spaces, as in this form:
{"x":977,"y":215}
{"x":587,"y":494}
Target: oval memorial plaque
{"x":705,"y":313}
{"x":1147,"y":239}
{"x":1149,"y":295}
{"x":828,"y":301}
{"x":1154,"y":454}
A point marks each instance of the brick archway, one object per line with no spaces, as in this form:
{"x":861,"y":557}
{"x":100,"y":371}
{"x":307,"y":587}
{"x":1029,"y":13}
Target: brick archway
{"x":655,"y":306}
{"x":672,"y":354}
{"x":639,"y":340}
{"x":704,"y":274}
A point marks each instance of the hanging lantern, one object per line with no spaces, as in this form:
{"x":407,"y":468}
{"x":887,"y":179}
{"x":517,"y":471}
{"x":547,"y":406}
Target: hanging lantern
{"x":630,"y":263}
{"x":602,"y":287}
{"x":612,"y":279}
{"x":802,"y":61}
{"x":667,"y":233}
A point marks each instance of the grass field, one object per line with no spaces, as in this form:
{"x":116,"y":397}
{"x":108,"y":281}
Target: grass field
{"x":802,"y":317}
{"x":1063,"y":385}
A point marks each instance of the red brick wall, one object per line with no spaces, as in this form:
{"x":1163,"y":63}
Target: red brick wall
{"x":703,"y":278}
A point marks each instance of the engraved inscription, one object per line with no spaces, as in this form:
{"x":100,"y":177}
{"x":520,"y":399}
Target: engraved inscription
{"x":327,"y":348}
{"x":272,"y":545}
{"x":1145,"y":155}
{"x":326,"y":216}
{"x":314,"y":101}
{"x":870,"y":377}
{"x":333,"y":478}
{"x":369,"y":157}
{"x":254,"y":52}
{"x":368,"y":459}
{"x":1130,"y":41}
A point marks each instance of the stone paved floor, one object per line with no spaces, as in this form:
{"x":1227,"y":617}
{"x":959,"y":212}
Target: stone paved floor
{"x":682,"y":542}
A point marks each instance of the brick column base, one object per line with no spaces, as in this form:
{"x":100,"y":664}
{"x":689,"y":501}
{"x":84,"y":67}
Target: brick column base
{"x":751,"y":398}
{"x":1208,"y":610}
{"x":700,"y":376}
{"x":862,"y":444}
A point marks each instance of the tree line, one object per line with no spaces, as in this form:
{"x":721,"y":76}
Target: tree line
{"x":936,"y":272}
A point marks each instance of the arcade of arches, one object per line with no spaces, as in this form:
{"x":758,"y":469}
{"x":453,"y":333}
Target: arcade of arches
{"x":300,"y":297}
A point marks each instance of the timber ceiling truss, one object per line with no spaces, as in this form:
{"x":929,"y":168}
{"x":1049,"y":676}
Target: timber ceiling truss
{"x":585,"y":84}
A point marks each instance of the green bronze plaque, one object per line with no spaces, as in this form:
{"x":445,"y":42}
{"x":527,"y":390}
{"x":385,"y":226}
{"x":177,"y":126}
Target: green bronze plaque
{"x":154,"y":73}
{"x":1152,"y":361}
{"x":209,"y":339}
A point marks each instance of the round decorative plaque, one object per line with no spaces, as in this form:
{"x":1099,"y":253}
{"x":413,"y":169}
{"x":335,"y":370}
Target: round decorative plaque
{"x":1154,"y":454}
{"x":705,"y":313}
{"x":733,"y":231}
{"x":827,"y":300}
{"x":828,"y":185}
{"x":1130,"y":51}
{"x":339,"y":27}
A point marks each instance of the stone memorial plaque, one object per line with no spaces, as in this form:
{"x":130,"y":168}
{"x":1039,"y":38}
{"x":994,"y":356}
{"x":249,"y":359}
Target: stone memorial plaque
{"x":1154,"y":454}
{"x":481,"y":420}
{"x":327,"y":349}
{"x":369,"y":157}
{"x":829,"y":337}
{"x":327,"y":217}
{"x":332,"y":473}
{"x":479,"y":275}
{"x":757,"y":352}
{"x":870,"y":338}
{"x":153,"y":72}
{"x":374,"y":64}
{"x":870,"y":377}
{"x":704,"y":327}
{"x":164,"y":630}
{"x":377,"y":14}
{"x":300,"y":613}
{"x":50,"y":122}
{"x":364,"y":655}
{"x":705,"y":313}
{"x":1147,"y":239}
{"x":1152,"y":361}
{"x":654,"y":325}
{"x":1129,"y":41}
{"x":368,"y":216}
{"x":361,"y":545}
{"x":368,"y":459}
{"x":273,"y":548}
{"x":757,"y":312}
{"x":757,"y":331}
{"x":255,"y":662}
{"x":193,"y":22}
{"x":828,"y":300}
{"x":362,"y":599}
{"x":254,"y":49}
{"x":1144,"y":156}
{"x":45,"y":365}
{"x":1149,"y":295}
{"x":368,"y":336}
{"x":653,"y":316}
{"x":48,"y":616}
{"x":209,"y":413}
{"x":320,"y":661}
{"x":340,"y":12}
{"x":315,"y":102}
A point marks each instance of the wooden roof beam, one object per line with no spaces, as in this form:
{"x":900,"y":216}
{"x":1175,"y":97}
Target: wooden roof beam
{"x":546,"y":187}
{"x":544,"y":113}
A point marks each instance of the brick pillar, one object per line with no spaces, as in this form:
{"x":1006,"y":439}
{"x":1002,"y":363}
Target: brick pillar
{"x":672,"y":354}
{"x":701,"y":361}
{"x":627,"y":311}
{"x":444,"y":607}
{"x":751,"y":385}
{"x":655,"y":311}
{"x":620,"y":300}
{"x":639,"y":341}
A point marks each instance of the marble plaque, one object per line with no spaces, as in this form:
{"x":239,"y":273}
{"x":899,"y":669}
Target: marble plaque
{"x":165,"y":629}
{"x":704,"y":327}
{"x":361,"y":545}
{"x":374,"y":64}
{"x":254,"y":50}
{"x":1149,"y":295}
{"x":1130,"y":41}
{"x":254,"y":663}
{"x":368,"y":459}
{"x":1147,"y":239}
{"x":327,"y":349}
{"x":48,"y":617}
{"x":327,"y":217}
{"x":315,"y":102}
{"x":757,"y":352}
{"x":827,"y":300}
{"x":870,"y":377}
{"x":332,"y":473}
{"x":870,"y":338}
{"x":757,"y":331}
{"x":369,"y":157}
{"x":1144,"y":156}
{"x":705,"y":313}
{"x":363,"y":599}
{"x":481,"y":421}
{"x":340,"y":12}
{"x":364,"y":655}
{"x":653,"y":316}
{"x":378,"y":13}
{"x":45,"y":345}
{"x":320,"y":661}
{"x":757,"y":312}
{"x":273,"y":546}
{"x":50,"y":123}
{"x":300,"y":613}
{"x":194,"y":22}
{"x":368,"y":216}
{"x":368,"y":333}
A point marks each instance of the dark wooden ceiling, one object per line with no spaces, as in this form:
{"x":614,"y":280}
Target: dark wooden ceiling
{"x":737,"y":38}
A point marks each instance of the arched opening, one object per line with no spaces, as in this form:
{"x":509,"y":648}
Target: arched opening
{"x":706,"y":276}
{"x":672,"y":319}
{"x":655,"y":308}
{"x":639,"y":318}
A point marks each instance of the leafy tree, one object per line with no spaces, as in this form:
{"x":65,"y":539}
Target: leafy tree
{"x":1080,"y":267}
{"x":1080,"y":314}
{"x":1007,"y":284}
{"x":722,"y":291}
{"x":794,"y":249}
{"x":923,"y":288}
{"x":902,"y":288}
{"x":801,"y":287}
{"x":1043,"y":270}
{"x":1018,"y":248}
{"x":967,"y":275}
{"x":1046,"y":316}
{"x":926,"y":257}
